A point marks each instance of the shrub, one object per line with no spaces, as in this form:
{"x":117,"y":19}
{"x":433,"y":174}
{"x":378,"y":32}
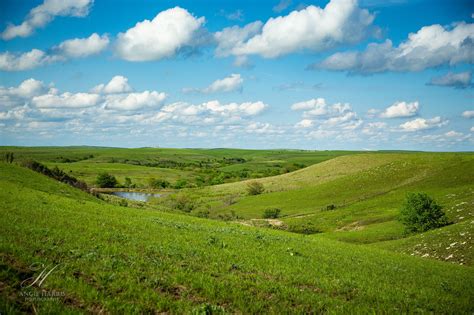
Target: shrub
{"x":255,"y":188}
{"x":158,"y":183}
{"x":421,"y":213}
{"x":105,"y":180}
{"x":180,"y":183}
{"x":271,"y":213}
{"x":182,"y":202}
{"x":8,"y":157}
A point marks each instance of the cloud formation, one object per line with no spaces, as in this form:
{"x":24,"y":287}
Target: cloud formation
{"x":44,"y":13}
{"x":460,"y":80}
{"x":118,"y":84}
{"x":83,"y":47}
{"x":312,"y":28}
{"x":401,"y":109}
{"x":69,"y":49}
{"x":431,"y":46}
{"x":164,"y":36}
{"x":228,"y":84}
{"x":423,"y":124}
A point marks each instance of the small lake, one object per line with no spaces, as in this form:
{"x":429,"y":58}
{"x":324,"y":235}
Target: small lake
{"x":137,"y":196}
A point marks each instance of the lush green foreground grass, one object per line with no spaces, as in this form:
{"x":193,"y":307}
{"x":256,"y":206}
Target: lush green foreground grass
{"x":118,"y":259}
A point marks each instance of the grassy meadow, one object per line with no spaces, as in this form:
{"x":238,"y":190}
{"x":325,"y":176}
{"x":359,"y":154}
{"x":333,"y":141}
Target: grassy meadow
{"x":336,"y":246}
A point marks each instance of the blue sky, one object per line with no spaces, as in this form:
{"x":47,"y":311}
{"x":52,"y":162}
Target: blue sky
{"x":337,"y":74}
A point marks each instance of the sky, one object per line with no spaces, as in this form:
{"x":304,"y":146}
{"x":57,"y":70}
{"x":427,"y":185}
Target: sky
{"x":316,"y":75}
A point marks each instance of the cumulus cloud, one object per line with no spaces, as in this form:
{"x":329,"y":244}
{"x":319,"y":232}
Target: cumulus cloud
{"x":228,"y":84}
{"x":431,"y":46}
{"x":401,"y":109}
{"x":83,"y":47}
{"x":312,"y":28}
{"x":423,"y":124}
{"x":304,"y":123}
{"x":44,"y":13}
{"x":459,"y":80}
{"x":339,"y":115}
{"x":24,"y":61}
{"x":73,"y":48}
{"x":118,"y":84}
{"x":468,"y":114}
{"x":66,"y":100}
{"x":134,"y":101}
{"x":209,"y":112}
{"x":164,"y":36}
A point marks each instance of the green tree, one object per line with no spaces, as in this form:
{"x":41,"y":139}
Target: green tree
{"x":421,"y":213}
{"x":105,"y":180}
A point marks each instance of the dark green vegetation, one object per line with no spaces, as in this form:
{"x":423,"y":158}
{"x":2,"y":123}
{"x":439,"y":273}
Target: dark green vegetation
{"x":421,"y":213}
{"x":331,"y":240}
{"x":105,"y":180}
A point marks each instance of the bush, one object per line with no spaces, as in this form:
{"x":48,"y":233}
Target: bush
{"x":271,"y":213}
{"x":421,"y":213}
{"x":182,"y":202}
{"x":255,"y":188}
{"x":158,"y":183}
{"x":180,"y":183}
{"x":105,"y":180}
{"x":8,"y":157}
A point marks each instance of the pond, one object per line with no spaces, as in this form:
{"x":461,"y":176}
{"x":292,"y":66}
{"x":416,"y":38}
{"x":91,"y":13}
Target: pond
{"x":137,"y":196}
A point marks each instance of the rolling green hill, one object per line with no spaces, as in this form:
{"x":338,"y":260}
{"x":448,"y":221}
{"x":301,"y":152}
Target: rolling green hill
{"x":366,"y":192}
{"x":118,"y":259}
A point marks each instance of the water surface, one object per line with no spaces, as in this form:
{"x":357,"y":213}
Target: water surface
{"x":137,"y":196}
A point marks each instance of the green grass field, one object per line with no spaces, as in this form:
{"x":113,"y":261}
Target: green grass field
{"x":150,"y":258}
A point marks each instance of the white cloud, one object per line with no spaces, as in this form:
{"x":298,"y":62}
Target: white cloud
{"x":118,"y":84}
{"x":66,"y":100}
{"x":24,"y":61}
{"x":468,"y":114}
{"x":228,"y":84}
{"x":83,"y":47}
{"x":209,"y":112}
{"x":401,"y":109}
{"x":431,"y":46}
{"x":312,"y":28}
{"x":134,"y":101}
{"x":453,"y":134}
{"x":162,"y":37}
{"x":336,"y":116}
{"x":43,"y":14}
{"x":262,"y":128}
{"x":73,"y":48}
{"x":423,"y":124}
{"x":231,"y":37}
{"x":459,"y":80}
{"x":304,"y":123}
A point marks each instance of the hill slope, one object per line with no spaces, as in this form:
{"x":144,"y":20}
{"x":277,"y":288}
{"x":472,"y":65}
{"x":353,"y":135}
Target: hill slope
{"x":365,"y":190}
{"x":119,"y":259}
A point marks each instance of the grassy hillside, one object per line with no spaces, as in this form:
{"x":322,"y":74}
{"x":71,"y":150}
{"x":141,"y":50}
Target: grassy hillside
{"x":118,"y":259}
{"x":366,"y":192}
